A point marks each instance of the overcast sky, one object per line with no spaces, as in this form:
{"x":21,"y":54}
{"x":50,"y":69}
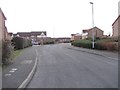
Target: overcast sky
{"x":60,"y":18}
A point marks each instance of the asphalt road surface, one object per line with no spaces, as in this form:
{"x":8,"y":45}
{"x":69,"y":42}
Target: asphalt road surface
{"x":60,"y":67}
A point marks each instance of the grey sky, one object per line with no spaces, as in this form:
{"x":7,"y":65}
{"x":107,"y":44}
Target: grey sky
{"x":58,"y":17}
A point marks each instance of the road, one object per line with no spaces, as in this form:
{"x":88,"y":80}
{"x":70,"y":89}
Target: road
{"x":61,"y":67}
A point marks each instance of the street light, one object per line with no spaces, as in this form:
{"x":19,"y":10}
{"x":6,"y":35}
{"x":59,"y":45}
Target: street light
{"x":93,"y":43}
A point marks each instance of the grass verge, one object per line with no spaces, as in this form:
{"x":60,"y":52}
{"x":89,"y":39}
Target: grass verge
{"x":14,"y":55}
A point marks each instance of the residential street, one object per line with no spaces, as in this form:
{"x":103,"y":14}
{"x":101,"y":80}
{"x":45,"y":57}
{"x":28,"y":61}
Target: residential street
{"x":59,"y":66}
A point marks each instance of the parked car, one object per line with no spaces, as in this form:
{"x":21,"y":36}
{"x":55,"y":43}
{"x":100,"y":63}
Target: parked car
{"x":35,"y":43}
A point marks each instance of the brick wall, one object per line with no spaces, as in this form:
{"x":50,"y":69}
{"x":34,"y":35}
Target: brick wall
{"x":115,"y":27}
{"x":97,"y":32}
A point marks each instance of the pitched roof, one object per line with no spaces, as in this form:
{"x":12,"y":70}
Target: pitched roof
{"x":87,"y":30}
{"x":3,"y":14}
{"x":10,"y":33}
{"x":26,"y":34}
{"x":116,"y":20}
{"x":23,"y":34}
{"x":97,"y":28}
{"x":38,"y":32}
{"x":72,"y":34}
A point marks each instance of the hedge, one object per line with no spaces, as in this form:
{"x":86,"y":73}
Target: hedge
{"x":82,"y":43}
{"x":21,"y":43}
{"x":110,"y":46}
{"x":7,"y":50}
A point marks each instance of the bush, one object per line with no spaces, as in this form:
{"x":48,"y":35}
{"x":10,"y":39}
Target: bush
{"x":81,"y":43}
{"x":7,"y":50}
{"x":100,"y":46}
{"x":110,"y":46}
{"x":21,"y":43}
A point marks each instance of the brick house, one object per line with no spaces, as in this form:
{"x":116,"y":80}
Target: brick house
{"x":35,"y":36}
{"x":3,"y":29}
{"x":75,"y":37}
{"x":62,"y":39}
{"x":89,"y":32}
{"x":116,"y":27}
{"x":2,"y":25}
{"x":32,"y":34}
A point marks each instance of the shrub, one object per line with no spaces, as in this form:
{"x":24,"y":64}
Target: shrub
{"x":111,"y":46}
{"x":7,"y":50}
{"x":101,"y":45}
{"x":81,"y":43}
{"x":21,"y":43}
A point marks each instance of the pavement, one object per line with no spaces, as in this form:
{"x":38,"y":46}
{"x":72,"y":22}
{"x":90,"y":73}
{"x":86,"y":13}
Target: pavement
{"x":108,"y":54}
{"x":15,"y":75}
{"x":62,"y":66}
{"x":59,"y":66}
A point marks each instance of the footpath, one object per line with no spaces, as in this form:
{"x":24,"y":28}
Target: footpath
{"x":18,"y":74}
{"x":107,"y":54}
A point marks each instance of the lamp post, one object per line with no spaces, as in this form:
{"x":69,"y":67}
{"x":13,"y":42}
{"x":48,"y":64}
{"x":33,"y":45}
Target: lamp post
{"x":93,"y":37}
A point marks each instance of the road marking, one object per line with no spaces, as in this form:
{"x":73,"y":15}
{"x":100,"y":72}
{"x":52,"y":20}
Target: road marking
{"x":14,"y":69}
{"x":29,"y":77}
{"x":7,"y":74}
{"x":11,"y":71}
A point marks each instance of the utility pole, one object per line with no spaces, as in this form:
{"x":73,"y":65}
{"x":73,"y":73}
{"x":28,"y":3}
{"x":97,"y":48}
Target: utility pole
{"x":93,"y":35}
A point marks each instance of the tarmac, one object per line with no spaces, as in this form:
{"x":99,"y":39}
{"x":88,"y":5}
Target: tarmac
{"x":19,"y":74}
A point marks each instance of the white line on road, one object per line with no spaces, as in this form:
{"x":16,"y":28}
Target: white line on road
{"x":14,"y":69}
{"x":7,"y":74}
{"x":29,"y":77}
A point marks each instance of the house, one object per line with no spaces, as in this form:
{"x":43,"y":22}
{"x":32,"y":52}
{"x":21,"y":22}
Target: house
{"x":24,"y":34}
{"x":4,"y":35}
{"x":85,"y":34}
{"x":76,"y":36}
{"x":2,"y":25}
{"x":11,"y":35}
{"x":88,"y":33}
{"x":62,"y":40}
{"x":116,"y":27}
{"x":35,"y":36}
